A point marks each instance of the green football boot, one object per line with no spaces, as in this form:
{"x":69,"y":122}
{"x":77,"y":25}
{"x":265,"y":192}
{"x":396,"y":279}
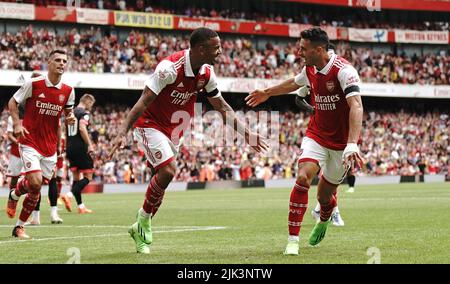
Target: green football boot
{"x":318,"y":232}
{"x":141,"y":232}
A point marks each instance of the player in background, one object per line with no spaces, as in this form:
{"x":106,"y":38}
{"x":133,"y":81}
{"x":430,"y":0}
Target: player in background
{"x":79,"y":152}
{"x":45,"y":99}
{"x":15,"y":163}
{"x":330,"y":145}
{"x":60,"y":167}
{"x":171,"y":92}
{"x":351,"y":179}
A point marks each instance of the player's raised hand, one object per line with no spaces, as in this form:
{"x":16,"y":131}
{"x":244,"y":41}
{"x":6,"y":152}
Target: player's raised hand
{"x":20,"y":131}
{"x":256,"y":97}
{"x":257,"y":142}
{"x":70,"y":118}
{"x":117,"y":143}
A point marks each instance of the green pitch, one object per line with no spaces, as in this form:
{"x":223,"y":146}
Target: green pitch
{"x":406,"y":223}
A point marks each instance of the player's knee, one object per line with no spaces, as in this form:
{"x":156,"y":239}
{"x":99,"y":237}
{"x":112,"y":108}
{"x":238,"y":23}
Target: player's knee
{"x":168,"y":171}
{"x":303,"y":180}
{"x":35,"y":185}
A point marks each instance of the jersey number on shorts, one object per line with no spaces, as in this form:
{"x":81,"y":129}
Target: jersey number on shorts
{"x":72,"y":130}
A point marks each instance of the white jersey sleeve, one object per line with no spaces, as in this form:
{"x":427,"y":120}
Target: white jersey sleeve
{"x":301,"y":79}
{"x":212,"y":84}
{"x":165,"y":74}
{"x":349,"y":80}
{"x":24,"y":92}
{"x":10,"y":128}
{"x":71,"y":101}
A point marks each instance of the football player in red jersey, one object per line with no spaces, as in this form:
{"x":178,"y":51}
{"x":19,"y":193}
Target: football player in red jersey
{"x":170,"y":94}
{"x":330,"y":145}
{"x":45,"y":99}
{"x":15,"y":163}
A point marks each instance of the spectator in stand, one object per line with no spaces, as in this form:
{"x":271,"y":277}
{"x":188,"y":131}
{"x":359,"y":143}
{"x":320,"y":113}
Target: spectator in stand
{"x":388,"y":141}
{"x":140,"y":53}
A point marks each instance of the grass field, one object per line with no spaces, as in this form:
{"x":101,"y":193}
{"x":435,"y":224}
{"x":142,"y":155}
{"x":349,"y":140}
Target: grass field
{"x":407,"y":223}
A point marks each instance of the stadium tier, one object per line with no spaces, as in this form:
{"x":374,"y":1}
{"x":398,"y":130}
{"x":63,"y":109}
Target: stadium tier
{"x":139,"y":52}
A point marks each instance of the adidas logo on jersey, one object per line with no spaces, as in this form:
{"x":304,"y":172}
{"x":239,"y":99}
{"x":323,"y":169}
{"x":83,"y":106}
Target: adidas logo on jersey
{"x":180,"y":85}
{"x":41,"y":95}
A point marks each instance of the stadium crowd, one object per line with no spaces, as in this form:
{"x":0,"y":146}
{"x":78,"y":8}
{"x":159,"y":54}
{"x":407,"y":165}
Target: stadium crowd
{"x":93,"y":51}
{"x":283,"y":14}
{"x":399,"y":143}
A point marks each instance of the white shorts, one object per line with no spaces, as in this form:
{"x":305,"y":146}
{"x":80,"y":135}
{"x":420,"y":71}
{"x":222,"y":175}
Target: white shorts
{"x":330,"y":161}
{"x":59,"y":168}
{"x":33,"y":161}
{"x":14,"y":167}
{"x":158,"y":148}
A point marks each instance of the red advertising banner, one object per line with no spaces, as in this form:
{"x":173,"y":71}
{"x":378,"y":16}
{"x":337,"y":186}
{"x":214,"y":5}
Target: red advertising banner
{"x":230,"y":26}
{"x":60,"y":14}
{"x":372,"y":5}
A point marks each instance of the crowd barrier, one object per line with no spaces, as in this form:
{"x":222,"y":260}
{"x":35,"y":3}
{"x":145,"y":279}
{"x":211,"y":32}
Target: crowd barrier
{"x":95,"y":187}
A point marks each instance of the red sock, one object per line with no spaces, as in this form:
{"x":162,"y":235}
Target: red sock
{"x":327,"y":209}
{"x":22,"y":187}
{"x":29,"y":203}
{"x":297,"y":208}
{"x":153,"y":196}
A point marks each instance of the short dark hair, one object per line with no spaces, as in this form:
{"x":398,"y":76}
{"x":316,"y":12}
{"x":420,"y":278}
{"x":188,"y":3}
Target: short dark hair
{"x":201,"y":35}
{"x":59,"y":51}
{"x":317,"y":36}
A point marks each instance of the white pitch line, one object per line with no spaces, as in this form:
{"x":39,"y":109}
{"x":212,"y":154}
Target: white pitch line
{"x":102,"y":226}
{"x":187,"y":229}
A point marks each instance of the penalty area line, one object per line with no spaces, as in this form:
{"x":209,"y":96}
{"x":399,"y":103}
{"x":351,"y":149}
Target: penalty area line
{"x":186,"y":229}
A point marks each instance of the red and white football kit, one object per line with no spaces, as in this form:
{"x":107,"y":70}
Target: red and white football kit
{"x":327,"y":133}
{"x":162,"y":124}
{"x":15,"y":163}
{"x":44,"y":104}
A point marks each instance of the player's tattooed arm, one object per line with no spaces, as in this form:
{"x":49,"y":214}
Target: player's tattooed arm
{"x":147,"y":97}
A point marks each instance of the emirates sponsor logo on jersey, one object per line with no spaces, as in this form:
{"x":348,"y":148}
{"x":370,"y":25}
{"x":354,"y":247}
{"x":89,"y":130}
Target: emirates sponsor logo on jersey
{"x":181,"y":98}
{"x":326,"y":102}
{"x":330,"y":86}
{"x":48,"y":108}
